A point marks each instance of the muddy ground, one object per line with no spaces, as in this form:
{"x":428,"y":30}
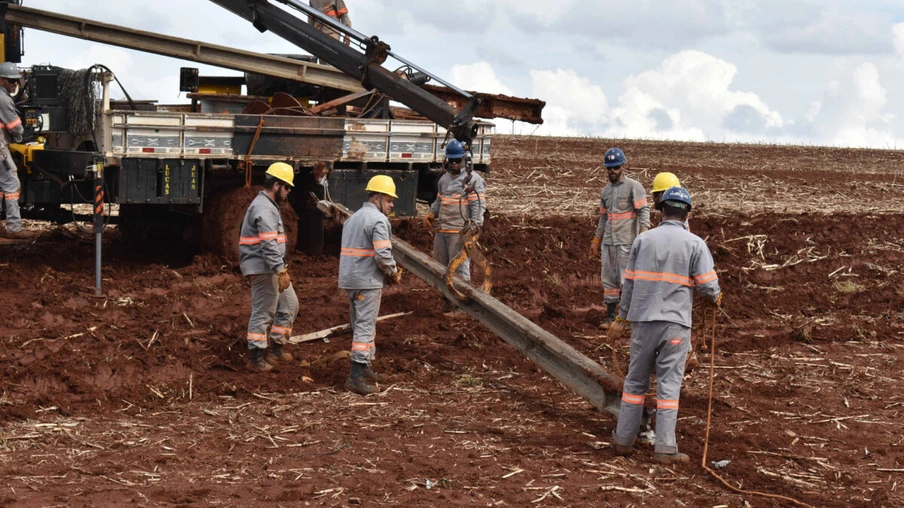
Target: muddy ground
{"x":140,"y":396}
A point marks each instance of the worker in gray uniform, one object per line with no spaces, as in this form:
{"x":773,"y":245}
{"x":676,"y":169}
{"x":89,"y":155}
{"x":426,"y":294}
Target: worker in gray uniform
{"x":11,"y":125}
{"x":262,"y":258}
{"x":365,"y":261}
{"x":624,"y":214}
{"x":664,"y":267}
{"x":460,"y":201}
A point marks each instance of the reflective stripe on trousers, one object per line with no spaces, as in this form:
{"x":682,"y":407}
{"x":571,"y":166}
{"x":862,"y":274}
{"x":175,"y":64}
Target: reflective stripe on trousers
{"x":269,"y":306}
{"x":664,"y":346}
{"x":445,"y":247}
{"x":9,"y":186}
{"x":364,"y":307}
{"x":614,"y":264}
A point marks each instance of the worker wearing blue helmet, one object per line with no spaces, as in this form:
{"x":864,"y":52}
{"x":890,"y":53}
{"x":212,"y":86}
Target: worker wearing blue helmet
{"x":664,"y":268}
{"x":460,"y":200}
{"x":624,"y":214}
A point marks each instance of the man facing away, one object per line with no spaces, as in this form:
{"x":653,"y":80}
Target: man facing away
{"x":365,"y":261}
{"x":262,"y":258}
{"x":664,"y":267}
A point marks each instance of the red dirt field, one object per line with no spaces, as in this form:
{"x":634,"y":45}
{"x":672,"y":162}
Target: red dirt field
{"x":140,"y":397}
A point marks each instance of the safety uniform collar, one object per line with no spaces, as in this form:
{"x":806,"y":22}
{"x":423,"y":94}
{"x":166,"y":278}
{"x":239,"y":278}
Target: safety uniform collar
{"x":264,"y":194}
{"x":674,"y":222}
{"x":368,"y":204}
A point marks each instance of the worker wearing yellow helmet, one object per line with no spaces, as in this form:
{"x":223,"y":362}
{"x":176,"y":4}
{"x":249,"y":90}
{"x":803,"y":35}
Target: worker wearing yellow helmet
{"x":661,"y":183}
{"x":365,"y":264}
{"x":262,"y":258}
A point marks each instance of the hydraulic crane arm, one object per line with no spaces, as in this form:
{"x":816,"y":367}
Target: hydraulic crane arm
{"x":365,"y":67}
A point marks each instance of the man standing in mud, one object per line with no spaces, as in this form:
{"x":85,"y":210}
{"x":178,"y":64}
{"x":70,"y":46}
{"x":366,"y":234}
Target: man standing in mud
{"x":624,"y":214}
{"x":664,"y":267}
{"x":11,"y":125}
{"x":365,"y":262}
{"x":460,"y":201}
{"x":262,"y":258}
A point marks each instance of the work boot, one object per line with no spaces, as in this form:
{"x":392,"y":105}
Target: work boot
{"x":611,"y":309}
{"x":692,"y":364}
{"x":21,"y":234}
{"x":256,"y":361}
{"x":356,"y":383}
{"x":275,"y":354}
{"x":670,"y":458}
{"x":622,"y":450}
{"x":370,"y":376}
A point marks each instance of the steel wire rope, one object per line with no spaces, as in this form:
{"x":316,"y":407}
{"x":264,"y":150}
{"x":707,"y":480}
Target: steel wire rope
{"x":709,"y":414}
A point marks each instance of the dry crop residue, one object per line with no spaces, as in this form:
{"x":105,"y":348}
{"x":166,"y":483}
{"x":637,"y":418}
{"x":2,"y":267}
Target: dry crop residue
{"x":141,"y":396}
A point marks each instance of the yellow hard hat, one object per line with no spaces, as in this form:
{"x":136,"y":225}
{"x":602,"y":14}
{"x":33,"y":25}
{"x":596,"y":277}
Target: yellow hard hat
{"x":282,"y":171}
{"x":382,"y":184}
{"x":665,"y":181}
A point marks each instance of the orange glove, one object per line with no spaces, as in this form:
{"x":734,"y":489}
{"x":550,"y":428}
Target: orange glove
{"x":430,"y":220}
{"x":616,"y":330}
{"x":284,"y":280}
{"x":396,"y":277}
{"x":594,"y":251}
{"x":717,"y":303}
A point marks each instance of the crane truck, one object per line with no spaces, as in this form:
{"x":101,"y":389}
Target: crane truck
{"x":165,"y":166}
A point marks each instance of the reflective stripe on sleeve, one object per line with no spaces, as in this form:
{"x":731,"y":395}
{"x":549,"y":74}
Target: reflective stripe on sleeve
{"x":382,"y":244}
{"x":357,"y":253}
{"x":706,"y":277}
{"x":640,"y":203}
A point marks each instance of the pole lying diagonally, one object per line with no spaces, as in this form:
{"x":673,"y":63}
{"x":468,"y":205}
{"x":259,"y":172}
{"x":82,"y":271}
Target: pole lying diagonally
{"x":579,"y":373}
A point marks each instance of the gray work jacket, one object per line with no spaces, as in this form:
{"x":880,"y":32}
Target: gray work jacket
{"x":10,"y":123}
{"x":623,"y":211}
{"x":366,"y":255}
{"x":262,"y":245}
{"x":451,"y":208}
{"x":665,"y":265}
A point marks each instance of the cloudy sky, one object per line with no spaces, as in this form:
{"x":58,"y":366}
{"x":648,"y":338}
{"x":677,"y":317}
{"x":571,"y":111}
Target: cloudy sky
{"x":817,"y":72}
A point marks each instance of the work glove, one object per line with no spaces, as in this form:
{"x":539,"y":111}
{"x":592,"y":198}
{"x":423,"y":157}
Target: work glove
{"x":717,"y":303}
{"x":284,"y":280}
{"x":430,"y":220}
{"x":396,"y":277}
{"x":644,"y":230}
{"x":594,"y":251}
{"x":616,"y":330}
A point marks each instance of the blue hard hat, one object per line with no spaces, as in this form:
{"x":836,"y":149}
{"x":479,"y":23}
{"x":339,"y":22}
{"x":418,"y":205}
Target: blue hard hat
{"x":614,"y":157}
{"x":455,"y":149}
{"x":677,"y":197}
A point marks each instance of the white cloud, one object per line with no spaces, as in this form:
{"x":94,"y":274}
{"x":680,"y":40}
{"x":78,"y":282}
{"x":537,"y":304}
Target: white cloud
{"x":898,"y":33}
{"x":479,"y":77}
{"x":574,"y":105}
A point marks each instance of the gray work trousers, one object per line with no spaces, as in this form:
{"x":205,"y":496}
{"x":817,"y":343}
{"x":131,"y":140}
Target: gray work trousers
{"x":364,"y":307}
{"x":615,"y":261}
{"x":445,"y":247}
{"x":9,"y":188}
{"x":269,"y":306}
{"x":665,"y":346}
